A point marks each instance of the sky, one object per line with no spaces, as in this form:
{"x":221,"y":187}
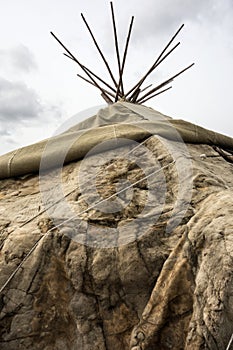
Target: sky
{"x":39,"y":87}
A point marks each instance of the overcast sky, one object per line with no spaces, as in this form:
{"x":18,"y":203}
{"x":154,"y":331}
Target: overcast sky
{"x":39,"y":88}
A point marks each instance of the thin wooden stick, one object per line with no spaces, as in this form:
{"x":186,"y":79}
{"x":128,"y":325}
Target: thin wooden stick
{"x":158,"y":93}
{"x":135,"y":95}
{"x":157,"y":63}
{"x":164,"y":83}
{"x":90,"y":82}
{"x":164,"y":57}
{"x":158,"y":87}
{"x":157,"y":60}
{"x":147,"y":87}
{"x":106,"y":98}
{"x":155,"y":66}
{"x":120,"y":84}
{"x":116,"y":44}
{"x":98,"y":48}
{"x":230,"y":342}
{"x":83,"y":68}
{"x":96,"y":76}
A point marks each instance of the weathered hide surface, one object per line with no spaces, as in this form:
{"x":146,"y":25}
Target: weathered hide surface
{"x":119,"y":279}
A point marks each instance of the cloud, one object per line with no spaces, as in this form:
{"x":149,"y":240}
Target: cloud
{"x":17,"y":59}
{"x":4,"y":132}
{"x":24,"y":117}
{"x":156,"y":19}
{"x":155,"y":23}
{"x":17,"y":102}
{"x":20,"y":109}
{"x":162,"y":16}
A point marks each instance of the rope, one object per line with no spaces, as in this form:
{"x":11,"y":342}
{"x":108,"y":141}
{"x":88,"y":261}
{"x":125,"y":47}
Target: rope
{"x":230,"y":342}
{"x":114,"y":130}
{"x":80,"y":213}
{"x":10,"y":162}
{"x":72,"y":191}
{"x":228,"y":157}
{"x":20,"y":265}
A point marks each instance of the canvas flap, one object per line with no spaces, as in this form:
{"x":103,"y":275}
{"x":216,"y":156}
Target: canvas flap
{"x":120,"y":120}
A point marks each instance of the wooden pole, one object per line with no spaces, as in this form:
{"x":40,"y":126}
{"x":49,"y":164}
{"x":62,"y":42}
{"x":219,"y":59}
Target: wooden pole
{"x":96,"y":76}
{"x":90,"y":82}
{"x":164,"y":83}
{"x":83,"y":68}
{"x":116,"y":45}
{"x":157,"y":60}
{"x":158,"y":93}
{"x":98,"y":48}
{"x":120,"y":84}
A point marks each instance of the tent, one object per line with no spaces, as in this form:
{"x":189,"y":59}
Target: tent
{"x":117,"y":233}
{"x":127,"y":245}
